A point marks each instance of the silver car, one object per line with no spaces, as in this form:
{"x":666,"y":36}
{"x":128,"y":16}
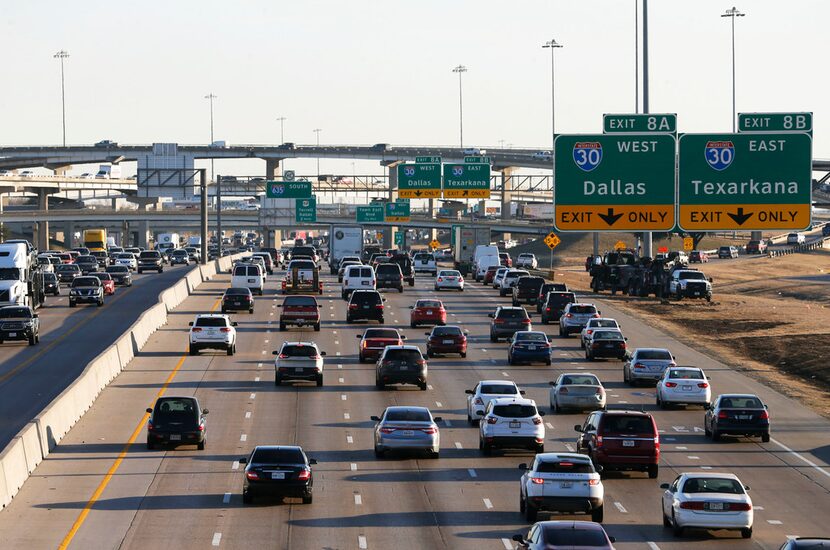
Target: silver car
{"x":407,"y":429}
{"x":647,"y":364}
{"x":575,"y":316}
{"x":577,"y":390}
{"x":601,"y":322}
{"x":500,"y":273}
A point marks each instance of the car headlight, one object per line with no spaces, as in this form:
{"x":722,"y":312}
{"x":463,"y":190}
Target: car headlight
{"x":73,"y":292}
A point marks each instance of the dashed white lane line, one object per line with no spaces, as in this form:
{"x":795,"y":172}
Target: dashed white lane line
{"x":259,"y":365}
{"x":353,"y":467}
{"x":253,"y":396}
{"x":620,"y":507}
{"x":472,"y":472}
{"x":263,"y":352}
{"x":458,"y":445}
{"x":343,"y":397}
{"x":337,"y":353}
{"x":504,"y":374}
{"x":682,"y":448}
{"x":484,"y":350}
{"x":653,"y":545}
{"x":488,"y":504}
{"x":670,"y":438}
{"x":705,"y":467}
{"x":693,"y":457}
{"x":548,"y":425}
{"x":775,"y":522}
{"x":346,"y":416}
{"x":266,"y":341}
{"x":570,"y":447}
{"x":358,"y":500}
{"x":339,"y":366}
{"x":272,"y":313}
{"x":247,"y":414}
{"x":243,"y":437}
{"x":802,"y":458}
{"x":349,"y":439}
{"x":623,"y":402}
{"x":256,"y":379}
{"x":227,"y":498}
{"x":448,"y":422}
{"x":758,"y":507}
{"x":235,"y":465}
{"x":341,"y":380}
{"x":429,"y":386}
{"x":438,"y":404}
{"x":217,"y":538}
{"x":508,"y":545}
{"x":337,"y":342}
{"x":361,"y":543}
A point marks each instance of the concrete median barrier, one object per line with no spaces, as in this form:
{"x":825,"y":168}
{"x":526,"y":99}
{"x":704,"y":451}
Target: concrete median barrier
{"x":15,"y":474}
{"x":124,"y":346}
{"x":31,"y":446}
{"x":194,"y":279}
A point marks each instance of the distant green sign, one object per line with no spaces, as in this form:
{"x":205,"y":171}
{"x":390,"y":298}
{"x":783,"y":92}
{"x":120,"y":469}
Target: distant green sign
{"x":397,"y":212}
{"x":370,"y":214}
{"x":419,"y":181}
{"x":305,"y":210}
{"x":288,"y":189}
{"x":399,"y":238}
{"x":775,"y":122}
{"x":477,"y":160}
{"x":639,"y":123}
{"x":428,"y":160}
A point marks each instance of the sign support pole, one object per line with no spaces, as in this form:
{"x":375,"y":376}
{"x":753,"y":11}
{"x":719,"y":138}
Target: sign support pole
{"x":204,"y":214}
{"x":218,"y":216}
{"x":647,"y":240}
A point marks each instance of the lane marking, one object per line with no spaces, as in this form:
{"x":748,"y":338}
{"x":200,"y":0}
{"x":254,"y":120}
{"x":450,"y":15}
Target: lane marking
{"x":569,"y":447}
{"x":247,"y":414}
{"x":346,"y":416}
{"x":342,"y":396}
{"x":507,"y":543}
{"x":334,"y":332}
{"x":458,"y":445}
{"x":243,"y":437}
{"x":705,"y":467}
{"x":339,"y":366}
{"x":266,"y":341}
{"x":263,"y":352}
{"x":353,"y":467}
{"x":429,"y":386}
{"x":337,"y":342}
{"x":448,"y":422}
{"x":227,"y":498}
{"x":340,"y":380}
{"x":548,"y":425}
{"x":802,"y":458}
{"x":759,"y":507}
{"x":337,"y":353}
{"x":504,"y":374}
{"x":358,"y":500}
{"x":472,"y":472}
{"x":361,"y":542}
{"x":217,"y":538}
{"x":259,"y":365}
{"x":653,"y":546}
{"x":488,"y":504}
{"x":682,"y":448}
{"x":256,"y":379}
{"x":349,"y":439}
{"x":775,"y":522}
{"x":253,"y":396}
{"x":235,"y":465}
{"x":620,"y":507}
{"x":693,"y":457}
{"x":438,"y":404}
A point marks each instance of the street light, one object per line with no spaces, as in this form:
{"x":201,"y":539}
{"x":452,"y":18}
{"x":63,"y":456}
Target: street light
{"x":63,"y":54}
{"x":732,"y":14}
{"x":211,"y":97}
{"x":317,"y":131}
{"x":553,"y":45}
{"x":460,"y":69}
{"x":281,"y":120}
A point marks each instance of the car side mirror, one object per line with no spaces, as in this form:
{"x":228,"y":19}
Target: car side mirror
{"x":358,"y":336}
{"x":551,"y":383}
{"x":190,"y":324}
{"x":312,"y":461}
{"x":411,"y":307}
{"x":521,"y":392}
{"x":275,"y":352}
{"x":612,"y":539}
{"x":437,"y":419}
{"x":319,"y":305}
{"x":205,"y":411}
{"x":36,"y":316}
{"x":479,"y":413}
{"x":149,"y":410}
{"x":466,"y":332}
{"x":711,"y":280}
{"x":375,"y":418}
{"x":523,"y":466}
{"x":578,"y":428}
{"x":664,"y":485}
{"x":541,"y":413}
{"x":469,"y":392}
{"x":403,"y":337}
{"x":280,"y":305}
{"x":234,"y":324}
{"x":598,"y":468}
{"x":518,"y":538}
{"x":243,"y":460}
{"x":322,"y":353}
{"x":490,"y":315}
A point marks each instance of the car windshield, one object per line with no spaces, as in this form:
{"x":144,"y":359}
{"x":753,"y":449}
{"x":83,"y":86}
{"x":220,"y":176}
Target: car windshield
{"x":566,"y":536}
{"x":15,"y":312}
{"x":512,"y":314}
{"x":447,"y":331}
{"x":300,"y":301}
{"x":740,"y":402}
{"x":580,"y":379}
{"x":582,"y":309}
{"x":171,"y":409}
{"x":692,"y":275}
{"x":561,"y":297}
{"x":210,"y":322}
{"x":531,"y":337}
{"x":654,"y":355}
{"x":607,"y":335}
{"x":407,"y":415}
{"x":237,"y":292}
{"x":603,"y":323}
{"x":420,"y":304}
{"x":498,"y":389}
{"x":86,"y":281}
{"x":627,"y":424}
{"x":381,"y":333}
{"x":180,"y":253}
{"x":389,"y":269}
{"x":713,"y":485}
{"x":150,"y":255}
{"x":298,"y":350}
{"x":564,"y":466}
{"x":50,"y":277}
{"x":515,"y":410}
{"x":724,"y":249}
{"x":685,"y":374}
{"x":67,"y":267}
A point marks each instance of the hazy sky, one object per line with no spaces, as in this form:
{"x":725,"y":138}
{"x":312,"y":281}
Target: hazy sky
{"x":371,"y":71}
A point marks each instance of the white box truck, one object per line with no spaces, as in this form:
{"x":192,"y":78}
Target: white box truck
{"x":344,"y":240}
{"x":108,"y":172}
{"x":166,"y":242}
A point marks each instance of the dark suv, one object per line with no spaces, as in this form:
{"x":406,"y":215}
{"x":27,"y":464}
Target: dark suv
{"x":407,"y":269}
{"x":88,"y":264}
{"x":507,"y":321}
{"x":401,"y":365}
{"x":150,"y":259}
{"x":177,"y":421}
{"x":19,"y":323}
{"x":620,"y":440}
{"x":555,"y":304}
{"x":527,"y":289}
{"x":543,"y":293}
{"x":365,"y":305}
{"x":389,"y":275}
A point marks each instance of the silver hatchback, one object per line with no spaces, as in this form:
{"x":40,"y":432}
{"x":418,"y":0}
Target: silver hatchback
{"x":647,"y":364}
{"x":575,"y":316}
{"x":407,"y":429}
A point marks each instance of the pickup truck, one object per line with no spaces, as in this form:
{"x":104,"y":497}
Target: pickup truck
{"x":302,"y":277}
{"x":300,"y":311}
{"x":689,"y":283}
{"x":150,"y":260}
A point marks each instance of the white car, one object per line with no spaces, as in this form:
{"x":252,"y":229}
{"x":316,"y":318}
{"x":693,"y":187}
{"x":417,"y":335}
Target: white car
{"x":511,"y":277}
{"x":706,"y":500}
{"x":248,"y":276}
{"x":511,"y":423}
{"x":212,"y":331}
{"x":683,"y":386}
{"x":358,"y":277}
{"x":499,"y":276}
{"x":128,"y":259}
{"x":473,"y":151}
{"x":796,"y":238}
{"x":299,"y":361}
{"x":602,"y":322}
{"x":542,"y":155}
{"x":526,"y":260}
{"x":480,"y":396}
{"x":561,"y":482}
{"x":424,"y":262}
{"x":449,"y":279}
{"x":26,"y":174}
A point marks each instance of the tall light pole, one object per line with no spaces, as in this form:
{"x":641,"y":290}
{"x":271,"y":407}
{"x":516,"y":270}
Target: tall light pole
{"x":63,"y":54}
{"x":211,"y":97}
{"x":460,"y":69}
{"x":281,"y":120}
{"x":317,"y":131}
{"x":733,"y":14}
{"x":636,"y":56}
{"x":553,"y":45}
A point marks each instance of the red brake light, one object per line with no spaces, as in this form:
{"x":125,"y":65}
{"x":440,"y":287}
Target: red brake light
{"x":593,"y":482}
{"x":364,"y":344}
{"x":693,"y":505}
{"x":387,"y":430}
{"x":764,"y":416}
{"x":461,"y":279}
{"x":304,"y":474}
{"x":379,"y":306}
{"x":599,"y":441}
{"x":589,"y":331}
{"x":703,"y":385}
{"x":600,"y":391}
{"x":492,"y":420}
{"x":352,"y":306}
{"x":201,"y":427}
{"x":225,"y":329}
{"x":739,"y":507}
{"x":283,"y":356}
{"x":722,"y":415}
{"x":478,"y":401}
{"x":440,"y":279}
{"x":537,"y":420}
{"x":671,"y":384}
{"x":639,"y":366}
{"x":569,"y":315}
{"x":525,"y":321}
{"x":430,"y":430}
{"x":252,"y":475}
{"x":537,"y":480}
{"x":547,"y":309}
{"x":196,"y":329}
{"x":498,"y":321}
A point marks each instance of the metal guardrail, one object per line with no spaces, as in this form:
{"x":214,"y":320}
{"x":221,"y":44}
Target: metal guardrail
{"x":823,"y":242}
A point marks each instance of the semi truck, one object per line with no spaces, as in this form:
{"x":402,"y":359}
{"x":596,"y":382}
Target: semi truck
{"x":108,"y":172}
{"x":96,"y":240}
{"x":21,"y":279}
{"x":344,"y":240}
{"x":465,"y":241}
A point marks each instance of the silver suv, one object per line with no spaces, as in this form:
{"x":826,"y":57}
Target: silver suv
{"x":575,"y":316}
{"x":561,"y":482}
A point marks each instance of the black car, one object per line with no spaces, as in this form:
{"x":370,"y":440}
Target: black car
{"x":121,"y":274}
{"x":407,"y":269}
{"x":88,"y":264}
{"x":368,"y":252}
{"x":606,"y":343}
{"x":738,"y":415}
{"x":278,"y":470}
{"x":401,"y":365}
{"x":565,"y":534}
{"x":805,"y":543}
{"x":389,"y":275}
{"x":51,"y":285}
{"x":19,"y":323}
{"x":179,"y":256}
{"x":543,"y":293}
{"x":152,"y":260}
{"x":177,"y":421}
{"x":506,"y":321}
{"x":555,"y":304}
{"x":102,"y":257}
{"x":86,"y":290}
{"x":238,"y":299}
{"x":527,"y":289}
{"x":365,"y":305}
{"x":825,"y":230}
{"x":67,"y":272}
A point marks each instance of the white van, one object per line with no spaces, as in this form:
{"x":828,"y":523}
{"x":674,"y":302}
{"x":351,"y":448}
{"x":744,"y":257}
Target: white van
{"x":484,"y":250}
{"x":483,"y":264}
{"x":358,"y":277}
{"x":248,"y":276}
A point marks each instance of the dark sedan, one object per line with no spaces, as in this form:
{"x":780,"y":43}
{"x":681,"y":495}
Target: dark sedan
{"x":552,"y":535}
{"x":738,"y":415}
{"x":67,"y":272}
{"x":278,"y":470}
{"x":447,"y":339}
{"x":121,"y":274}
{"x":238,"y":299}
{"x":177,"y":421}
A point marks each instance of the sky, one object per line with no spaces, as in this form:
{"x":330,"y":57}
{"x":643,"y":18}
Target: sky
{"x":368,"y":72}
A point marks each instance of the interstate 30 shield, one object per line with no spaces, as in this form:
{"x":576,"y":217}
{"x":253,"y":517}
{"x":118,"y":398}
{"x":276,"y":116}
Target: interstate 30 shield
{"x":458,"y":171}
{"x":409,"y":171}
{"x":719,"y":154}
{"x":587,"y":155}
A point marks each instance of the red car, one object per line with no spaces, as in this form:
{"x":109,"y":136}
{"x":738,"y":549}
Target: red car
{"x":428,"y":312}
{"x":107,"y":282}
{"x":490,"y":273}
{"x":698,"y":256}
{"x":374,"y":340}
{"x":300,"y":311}
{"x":505,"y":259}
{"x":449,"y":339}
{"x":66,"y":258}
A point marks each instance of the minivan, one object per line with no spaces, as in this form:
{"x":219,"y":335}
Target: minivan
{"x":248,"y":276}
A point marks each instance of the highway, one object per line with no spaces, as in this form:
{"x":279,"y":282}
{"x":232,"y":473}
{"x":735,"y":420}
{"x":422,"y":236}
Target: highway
{"x":31,"y":376}
{"x":185,"y":498}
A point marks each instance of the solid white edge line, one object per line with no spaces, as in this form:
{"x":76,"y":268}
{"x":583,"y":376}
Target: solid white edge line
{"x":507,"y":543}
{"x":802,"y":458}
{"x":472,"y":472}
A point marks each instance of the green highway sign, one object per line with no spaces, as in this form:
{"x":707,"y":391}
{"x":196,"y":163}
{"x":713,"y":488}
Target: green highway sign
{"x":775,"y":122}
{"x":750,"y":181}
{"x":288,"y":189}
{"x":397,"y":212}
{"x":419,"y":181}
{"x":452,"y":233}
{"x":369,"y":214}
{"x":399,"y":238}
{"x":467,"y":181}
{"x":305,"y":210}
{"x":614,"y":182}
{"x":639,"y":123}
{"x":476,"y":160}
{"x":428,"y":160}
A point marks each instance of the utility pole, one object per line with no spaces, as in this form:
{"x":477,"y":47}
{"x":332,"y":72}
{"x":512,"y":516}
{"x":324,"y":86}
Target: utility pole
{"x":204,"y":215}
{"x":553,"y":45}
{"x":647,"y":237}
{"x":460,"y":69}
{"x":281,"y":120}
{"x":63,"y":54}
{"x":733,"y":14}
{"x":211,"y":97}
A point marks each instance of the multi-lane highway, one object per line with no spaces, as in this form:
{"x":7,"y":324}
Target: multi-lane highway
{"x":101,"y":487}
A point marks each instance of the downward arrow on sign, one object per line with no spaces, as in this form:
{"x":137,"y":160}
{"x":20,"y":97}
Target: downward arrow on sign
{"x":610,"y":218}
{"x":740,"y":218}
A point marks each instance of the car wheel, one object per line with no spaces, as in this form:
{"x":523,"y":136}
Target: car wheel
{"x":412,"y":325}
{"x":380,"y":321}
{"x":282,"y":327}
{"x":307,"y":499}
{"x":423,"y":386}
{"x":251,"y":311}
{"x":430,"y":354}
{"x":653,"y":470}
{"x":487,"y":449}
{"x":493,"y":338}
{"x":463,"y":355}
{"x":277,"y":380}
{"x":150,"y":445}
{"x":193,"y":351}
{"x":201,"y":445}
{"x":765,"y":437}
{"x":224,"y":310}
{"x":666,"y":520}
{"x":231,"y":349}
{"x":678,"y":529}
{"x":378,"y":453}
{"x":625,"y":376}
{"x":522,"y":504}
{"x":540,"y":448}
{"x":247,"y":498}
{"x":320,"y":381}
{"x":509,"y":360}
{"x":317,"y":327}
{"x":715,"y":435}
{"x":140,"y":272}
{"x":554,"y":409}
{"x":596,"y":514}
{"x":32,"y":340}
{"x":746,"y":533}
{"x":71,"y":304}
{"x":582,"y":343}
{"x":378,"y":384}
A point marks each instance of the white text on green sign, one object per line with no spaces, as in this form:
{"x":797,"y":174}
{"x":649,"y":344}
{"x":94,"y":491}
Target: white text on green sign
{"x":639,"y":123}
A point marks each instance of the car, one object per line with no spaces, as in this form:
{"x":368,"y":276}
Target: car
{"x":365,"y":305}
{"x":86,"y":290}
{"x":177,"y":420}
{"x":707,"y":500}
{"x":280,"y":471}
{"x":678,"y":257}
{"x":67,"y":272}
{"x":179,"y":256}
{"x":527,"y":289}
{"x":427,"y":312}
{"x":506,"y":321}
{"x":577,"y":390}
{"x":620,"y":440}
{"x":796,"y":238}
{"x":128,"y":259}
{"x":407,"y":268}
{"x":267,"y":260}
{"x":698,"y":256}
{"x":345,"y":264}
{"x":527,"y":260}
{"x":647,"y":364}
{"x":26,"y":174}
{"x":401,"y":365}
{"x":683,"y":386}
{"x":19,"y":323}
{"x":193,"y":253}
{"x":389,"y":275}
{"x":490,"y":274}
{"x":358,"y":277}
{"x":805,"y":543}
{"x":446,"y":339}
{"x":473,"y":151}
{"x":486,"y":390}
{"x":300,"y":310}
{"x":374,"y":340}
{"x":298,"y":361}
{"x":607,"y":343}
{"x":212,"y":331}
{"x":150,"y":260}
{"x":424,"y":262}
{"x":88,"y":264}
{"x":561,"y":482}
{"x":555,"y":535}
{"x":689,"y":283}
{"x":106,"y":143}
{"x":727,"y":252}
{"x":121,"y":275}
{"x":554,"y":305}
{"x":66,"y":258}
{"x":511,"y":423}
{"x":505,"y":259}
{"x":509,"y":280}
{"x":825,"y":230}
{"x":756,"y":247}
{"x":238,"y":299}
{"x":498,"y":276}
{"x":107,"y":282}
{"x":596,"y":323}
{"x":449,"y":279}
{"x":407,"y":429}
{"x":248,"y":276}
{"x":102,"y":257}
{"x":257,"y":260}
{"x":737,"y":415}
{"x":528,"y":346}
{"x":575,"y":316}
{"x":51,"y":285}
{"x":541,"y":297}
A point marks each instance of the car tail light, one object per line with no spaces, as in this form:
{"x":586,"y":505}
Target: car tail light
{"x":703,"y":385}
{"x":225,"y":329}
{"x":569,"y":315}
{"x":149,"y":425}
{"x":596,"y":315}
{"x":304,"y":474}
{"x":599,"y":441}
{"x":589,"y":331}
{"x":478,"y":401}
{"x":252,"y":475}
{"x":401,"y":277}
{"x":201,"y":427}
{"x":764,"y":415}
{"x":657,"y":442}
{"x":461,"y":279}
{"x":379,"y":306}
{"x":671,"y":384}
{"x":430,"y":430}
{"x":525,"y":321}
{"x":284,"y":284}
{"x":593,"y":482}
{"x":622,"y":345}
{"x":740,"y":507}
{"x":639,"y":366}
{"x":283,"y":356}
{"x":440,"y":280}
{"x":372,"y":283}
{"x":196,"y":329}
{"x":352,"y":306}
{"x":315,"y":356}
{"x":537,"y":480}
{"x":387,"y":430}
{"x":722,"y":415}
{"x":492,"y":419}
{"x":547,"y":309}
{"x":694,"y":505}
{"x":537,"y":420}
{"x":498,"y":321}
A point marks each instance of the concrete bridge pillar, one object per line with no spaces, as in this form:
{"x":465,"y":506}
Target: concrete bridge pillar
{"x":68,"y":234}
{"x":43,"y":227}
{"x":388,"y":236}
{"x":506,"y":192}
{"x":144,"y":234}
{"x":431,"y":213}
{"x":393,"y":183}
{"x":267,"y":237}
{"x":272,"y":169}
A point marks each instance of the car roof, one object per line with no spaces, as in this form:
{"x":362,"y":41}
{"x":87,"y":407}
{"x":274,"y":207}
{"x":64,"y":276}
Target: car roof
{"x":298,"y":343}
{"x":622,"y":412}
{"x":278,"y":447}
{"x":574,"y":304}
{"x":404,"y":346}
{"x":214,"y":315}
{"x":512,"y":401}
{"x":650,"y":349}
{"x":406,"y":408}
{"x":581,"y":373}
{"x":498,"y":382}
{"x":721,"y":475}
{"x":687,"y":368}
{"x":531,"y":332}
{"x":730,"y":395}
{"x":573,"y":524}
{"x":550,"y":457}
{"x":183,"y":397}
{"x":504,"y":308}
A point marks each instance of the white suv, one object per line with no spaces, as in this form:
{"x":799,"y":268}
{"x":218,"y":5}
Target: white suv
{"x":527,"y":260}
{"x":212,"y":331}
{"x":484,"y":392}
{"x":358,"y":277}
{"x":299,"y":361}
{"x":511,"y":423}
{"x":424,"y":262}
{"x":561,"y":482}
{"x":511,"y":277}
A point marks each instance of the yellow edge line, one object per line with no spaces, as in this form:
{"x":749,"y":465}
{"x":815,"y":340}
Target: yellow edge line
{"x":115,"y":465}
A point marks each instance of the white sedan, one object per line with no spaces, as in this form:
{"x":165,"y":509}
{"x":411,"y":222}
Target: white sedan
{"x":527,"y":260}
{"x":449,"y":279}
{"x":128,"y":259}
{"x":705,"y":500}
{"x":478,"y":397}
{"x":683,"y":386}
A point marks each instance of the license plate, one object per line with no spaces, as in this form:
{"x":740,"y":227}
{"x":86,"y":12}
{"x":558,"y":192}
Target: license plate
{"x":531,"y":348}
{"x":364,"y":283}
{"x":12,"y":334}
{"x":687,"y":388}
{"x":429,"y":312}
{"x":408,"y":433}
{"x":175,"y":437}
{"x":515,"y":424}
{"x":298,"y":370}
{"x":277,"y":475}
{"x":251,"y":280}
{"x":628,"y":443}
{"x":716,"y":505}
{"x":451,"y":278}
{"x":565,"y":484}
{"x":404,"y":367}
{"x":697,"y":293}
{"x":447,"y":341}
{"x":743,"y":417}
{"x":365,"y":307}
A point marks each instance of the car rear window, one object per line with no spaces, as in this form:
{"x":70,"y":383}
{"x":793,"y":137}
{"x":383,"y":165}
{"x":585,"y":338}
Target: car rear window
{"x":513,"y":274}
{"x":741,"y":403}
{"x":298,"y":350}
{"x":366,"y":298}
{"x":515,"y":411}
{"x":607,"y":335}
{"x":407,"y":355}
{"x":498,"y":389}
{"x":102,"y":276}
{"x":603,"y":323}
{"x":299,"y":301}
{"x":453,"y":273}
{"x":712,"y":485}
{"x":531,"y":337}
{"x":423,"y":256}
{"x":381,"y":333}
{"x":565,"y":467}
{"x":654,"y":354}
{"x":360,"y":272}
{"x":530,"y":282}
{"x":561,"y":297}
{"x":582,"y":309}
{"x":686,"y":374}
{"x":389,"y":269}
{"x":446,"y":331}
{"x":174,"y":408}
{"x":301,"y":264}
{"x":512,"y":314}
{"x":210,"y":322}
{"x":237,"y":292}
{"x":405,"y":415}
{"x":580,"y":380}
{"x":427,"y":303}
{"x":278,"y":456}
{"x":634,"y":424}
{"x":567,"y":536}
